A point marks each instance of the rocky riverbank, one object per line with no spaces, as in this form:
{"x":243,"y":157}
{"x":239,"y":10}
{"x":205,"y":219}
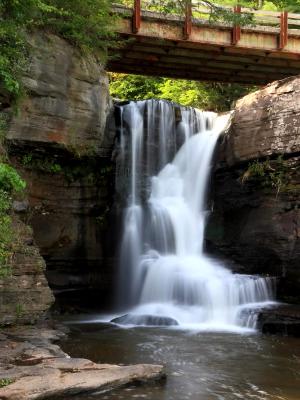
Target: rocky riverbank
{"x":32,"y":366}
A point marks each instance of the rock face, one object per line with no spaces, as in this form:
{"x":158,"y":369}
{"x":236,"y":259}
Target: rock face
{"x":282,"y":320}
{"x":60,"y":145}
{"x":34,"y":368}
{"x":24,"y":294}
{"x":265,"y":123}
{"x":256,"y":217}
{"x":67,"y":100}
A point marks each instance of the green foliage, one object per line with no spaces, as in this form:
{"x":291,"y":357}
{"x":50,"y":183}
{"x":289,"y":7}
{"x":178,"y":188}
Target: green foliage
{"x":46,"y":164}
{"x":217,"y":10}
{"x":3,"y":128}
{"x":269,"y":174}
{"x":134,"y":87}
{"x":10,"y":180}
{"x":6,"y":235}
{"x":19,"y":310}
{"x":74,"y":170}
{"x":220,"y":10}
{"x":289,"y":5}
{"x":102,"y":219}
{"x":10,"y":184}
{"x":178,"y":6}
{"x":209,"y":96}
{"x":85,"y":23}
{"x":5,"y":382}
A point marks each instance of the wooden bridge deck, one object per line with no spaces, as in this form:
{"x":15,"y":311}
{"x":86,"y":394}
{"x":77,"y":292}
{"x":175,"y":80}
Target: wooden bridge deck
{"x":193,"y":48}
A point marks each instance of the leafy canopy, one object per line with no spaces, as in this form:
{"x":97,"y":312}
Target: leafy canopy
{"x":208,"y":96}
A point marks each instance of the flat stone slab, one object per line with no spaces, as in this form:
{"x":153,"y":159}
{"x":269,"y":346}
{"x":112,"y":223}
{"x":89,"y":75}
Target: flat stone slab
{"x":62,"y":377}
{"x":35,"y":368}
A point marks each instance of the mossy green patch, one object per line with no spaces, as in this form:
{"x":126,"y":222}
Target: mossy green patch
{"x":5,"y":382}
{"x":271,"y":175}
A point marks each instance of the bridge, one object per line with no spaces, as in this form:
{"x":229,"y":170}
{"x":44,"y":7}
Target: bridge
{"x":190,"y":46}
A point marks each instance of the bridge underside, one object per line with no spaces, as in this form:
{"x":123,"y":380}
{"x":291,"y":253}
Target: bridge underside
{"x":208,"y":54}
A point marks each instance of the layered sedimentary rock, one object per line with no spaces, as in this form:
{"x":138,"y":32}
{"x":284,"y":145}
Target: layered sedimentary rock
{"x":256,"y":217}
{"x":67,"y":99}
{"x":60,"y":144}
{"x":32,"y":367}
{"x":24,"y":291}
{"x":265,"y":123}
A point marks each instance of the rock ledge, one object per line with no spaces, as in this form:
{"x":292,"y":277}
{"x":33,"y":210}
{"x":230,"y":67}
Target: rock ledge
{"x":39,"y":369}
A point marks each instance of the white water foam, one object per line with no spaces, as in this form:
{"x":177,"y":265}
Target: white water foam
{"x":165,"y":272}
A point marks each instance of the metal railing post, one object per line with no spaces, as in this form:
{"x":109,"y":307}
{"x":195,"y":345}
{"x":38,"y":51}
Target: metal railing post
{"x":187,"y":30}
{"x":236,"y":31}
{"x":136,"y":18}
{"x":283,"y":36}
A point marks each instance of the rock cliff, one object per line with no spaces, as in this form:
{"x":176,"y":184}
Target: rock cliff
{"x":60,"y":144}
{"x":256,"y":217}
{"x":67,"y":99}
{"x":24,"y":292}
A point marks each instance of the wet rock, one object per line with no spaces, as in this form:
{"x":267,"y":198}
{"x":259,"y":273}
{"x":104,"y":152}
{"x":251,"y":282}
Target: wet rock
{"x":282,"y":320}
{"x":148,"y":320}
{"x":20,"y":206}
{"x":39,"y":369}
{"x":256,"y":222}
{"x":68,"y":377}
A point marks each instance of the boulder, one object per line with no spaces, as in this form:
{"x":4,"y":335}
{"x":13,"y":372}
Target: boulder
{"x":281,"y":320}
{"x":265,"y":123}
{"x":148,"y":320}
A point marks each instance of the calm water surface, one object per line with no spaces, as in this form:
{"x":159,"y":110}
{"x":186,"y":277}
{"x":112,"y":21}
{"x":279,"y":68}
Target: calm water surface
{"x":200,"y":366}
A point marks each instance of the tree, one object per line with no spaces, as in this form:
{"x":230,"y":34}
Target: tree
{"x":208,"y":96}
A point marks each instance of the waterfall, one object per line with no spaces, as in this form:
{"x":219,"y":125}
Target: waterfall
{"x":165,"y":275}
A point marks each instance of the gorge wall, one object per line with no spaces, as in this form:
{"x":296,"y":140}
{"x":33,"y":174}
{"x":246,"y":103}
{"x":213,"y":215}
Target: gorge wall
{"x":256,"y":216}
{"x":61,"y":145}
{"x":25,"y":296}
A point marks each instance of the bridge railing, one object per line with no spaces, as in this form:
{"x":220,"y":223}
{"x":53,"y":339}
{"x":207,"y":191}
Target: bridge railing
{"x":192,"y":11}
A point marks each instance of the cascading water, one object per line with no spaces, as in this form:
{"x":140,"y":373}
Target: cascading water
{"x":166,"y":278}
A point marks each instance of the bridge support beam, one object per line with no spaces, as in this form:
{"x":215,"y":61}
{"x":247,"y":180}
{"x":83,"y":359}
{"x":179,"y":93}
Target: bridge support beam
{"x":283,"y":36}
{"x":236,"y":32}
{"x":136,"y":18}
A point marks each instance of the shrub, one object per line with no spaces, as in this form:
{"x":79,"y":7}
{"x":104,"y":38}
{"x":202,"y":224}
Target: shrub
{"x":5,"y":382}
{"x":10,"y":184}
{"x":268,"y":174}
{"x":10,"y":180}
